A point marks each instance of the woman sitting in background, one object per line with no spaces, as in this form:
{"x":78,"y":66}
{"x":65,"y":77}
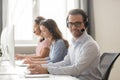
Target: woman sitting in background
{"x":59,"y":46}
{"x":43,"y":47}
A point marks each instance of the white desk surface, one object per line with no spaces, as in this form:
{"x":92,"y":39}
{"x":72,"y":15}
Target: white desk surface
{"x":20,"y":75}
{"x":52,"y":77}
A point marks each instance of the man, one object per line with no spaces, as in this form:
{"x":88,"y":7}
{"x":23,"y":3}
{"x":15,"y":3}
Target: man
{"x":82,"y":60}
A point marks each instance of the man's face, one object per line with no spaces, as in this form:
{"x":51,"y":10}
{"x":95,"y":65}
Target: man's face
{"x":75,"y":24}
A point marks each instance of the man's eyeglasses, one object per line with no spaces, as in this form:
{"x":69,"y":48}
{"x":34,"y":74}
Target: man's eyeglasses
{"x":76,"y":24}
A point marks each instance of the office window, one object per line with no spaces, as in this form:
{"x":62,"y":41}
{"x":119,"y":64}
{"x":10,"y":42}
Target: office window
{"x":25,"y":11}
{"x":54,"y":9}
{"x":23,"y":14}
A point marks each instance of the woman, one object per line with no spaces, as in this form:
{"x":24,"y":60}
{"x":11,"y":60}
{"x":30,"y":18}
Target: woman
{"x":42,"y":49}
{"x":59,"y":46}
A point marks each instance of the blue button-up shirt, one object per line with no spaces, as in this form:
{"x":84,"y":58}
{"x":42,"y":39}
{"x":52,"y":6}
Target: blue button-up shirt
{"x":58,"y":51}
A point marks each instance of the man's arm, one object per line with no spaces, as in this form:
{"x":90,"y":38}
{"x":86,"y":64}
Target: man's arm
{"x":89,"y":55}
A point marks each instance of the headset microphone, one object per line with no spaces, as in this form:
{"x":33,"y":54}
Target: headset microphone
{"x":82,"y":30}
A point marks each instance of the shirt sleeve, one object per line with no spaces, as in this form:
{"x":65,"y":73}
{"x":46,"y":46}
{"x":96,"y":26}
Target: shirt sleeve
{"x":89,"y":54}
{"x":65,"y":62}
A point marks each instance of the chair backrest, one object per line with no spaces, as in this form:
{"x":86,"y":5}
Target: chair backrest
{"x":106,"y":62}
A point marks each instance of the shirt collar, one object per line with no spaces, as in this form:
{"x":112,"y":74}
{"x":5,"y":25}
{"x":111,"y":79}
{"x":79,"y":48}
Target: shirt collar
{"x":80,"y":39}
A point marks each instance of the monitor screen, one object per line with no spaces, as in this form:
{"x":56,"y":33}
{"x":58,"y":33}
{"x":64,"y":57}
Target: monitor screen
{"x":7,"y":44}
{"x":4,"y":43}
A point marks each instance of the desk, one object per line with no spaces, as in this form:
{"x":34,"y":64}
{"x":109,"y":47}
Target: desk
{"x":52,"y":77}
{"x":20,"y":75}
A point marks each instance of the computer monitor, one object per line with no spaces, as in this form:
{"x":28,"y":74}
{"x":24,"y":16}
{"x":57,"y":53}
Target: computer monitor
{"x":8,"y":43}
{"x":11,"y":45}
{"x":4,"y":43}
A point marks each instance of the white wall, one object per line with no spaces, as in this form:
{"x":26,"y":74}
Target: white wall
{"x":107,"y":28}
{"x":107,"y":24}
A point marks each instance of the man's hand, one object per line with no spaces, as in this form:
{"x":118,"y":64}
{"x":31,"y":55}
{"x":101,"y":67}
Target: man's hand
{"x":37,"y":69}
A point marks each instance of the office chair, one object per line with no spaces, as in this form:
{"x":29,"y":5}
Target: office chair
{"x":106,"y":63}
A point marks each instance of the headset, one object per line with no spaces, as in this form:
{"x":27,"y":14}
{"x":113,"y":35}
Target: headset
{"x":39,"y":19}
{"x":80,"y":12}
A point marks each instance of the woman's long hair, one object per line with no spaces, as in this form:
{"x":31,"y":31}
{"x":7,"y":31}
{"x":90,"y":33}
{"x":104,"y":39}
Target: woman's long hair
{"x":51,"y":25}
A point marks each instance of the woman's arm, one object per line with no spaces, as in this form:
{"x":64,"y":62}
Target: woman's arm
{"x":22,"y":56}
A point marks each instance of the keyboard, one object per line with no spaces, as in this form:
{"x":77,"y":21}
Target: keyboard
{"x":27,"y":74}
{"x":7,"y":69}
{"x":20,"y":63}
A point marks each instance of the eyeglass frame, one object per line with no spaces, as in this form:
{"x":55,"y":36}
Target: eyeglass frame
{"x":76,"y":24}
